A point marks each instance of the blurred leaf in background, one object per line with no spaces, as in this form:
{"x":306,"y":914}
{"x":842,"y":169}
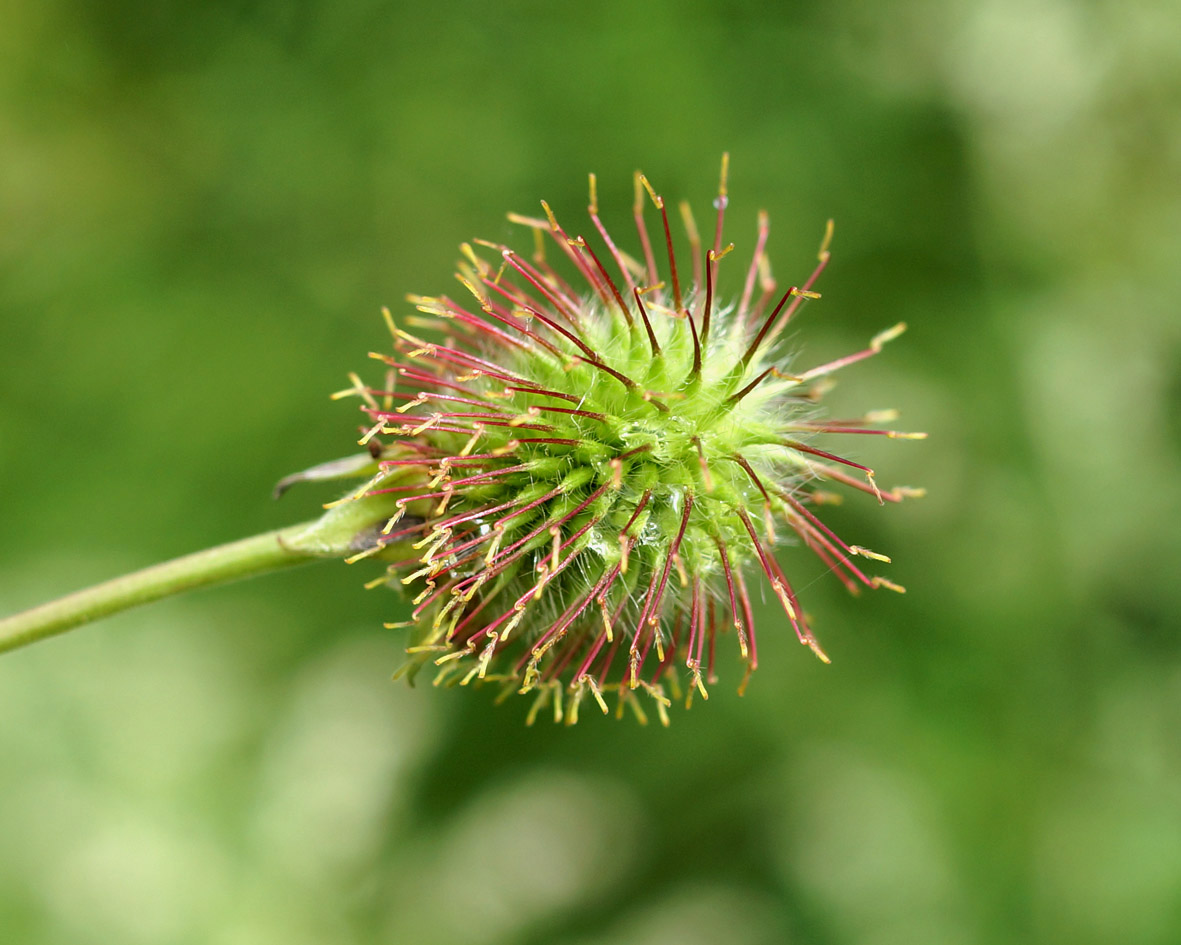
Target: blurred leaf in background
{"x":204,"y":207}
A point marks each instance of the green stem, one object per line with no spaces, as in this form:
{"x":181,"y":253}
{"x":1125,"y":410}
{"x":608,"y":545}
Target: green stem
{"x":347,"y":529}
{"x":259,"y":554}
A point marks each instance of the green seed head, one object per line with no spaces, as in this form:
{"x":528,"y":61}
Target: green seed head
{"x":588,"y":457}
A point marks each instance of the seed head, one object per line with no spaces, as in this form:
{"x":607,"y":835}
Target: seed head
{"x":592,"y":457}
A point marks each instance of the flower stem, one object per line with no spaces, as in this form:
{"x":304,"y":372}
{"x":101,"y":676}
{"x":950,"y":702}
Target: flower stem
{"x":259,"y":554}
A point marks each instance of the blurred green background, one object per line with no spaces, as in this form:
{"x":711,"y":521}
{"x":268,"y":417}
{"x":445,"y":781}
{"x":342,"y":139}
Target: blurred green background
{"x":202,"y":208}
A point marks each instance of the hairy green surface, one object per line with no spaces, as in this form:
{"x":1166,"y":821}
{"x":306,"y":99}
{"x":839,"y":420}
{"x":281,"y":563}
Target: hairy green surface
{"x":592,"y":464}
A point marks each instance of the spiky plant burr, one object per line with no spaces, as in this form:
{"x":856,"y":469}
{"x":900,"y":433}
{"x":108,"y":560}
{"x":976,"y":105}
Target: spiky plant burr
{"x":589,"y":465}
{"x":573,"y":475}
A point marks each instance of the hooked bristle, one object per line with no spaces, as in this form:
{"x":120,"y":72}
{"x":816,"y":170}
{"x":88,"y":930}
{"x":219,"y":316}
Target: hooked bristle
{"x":579,"y":458}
